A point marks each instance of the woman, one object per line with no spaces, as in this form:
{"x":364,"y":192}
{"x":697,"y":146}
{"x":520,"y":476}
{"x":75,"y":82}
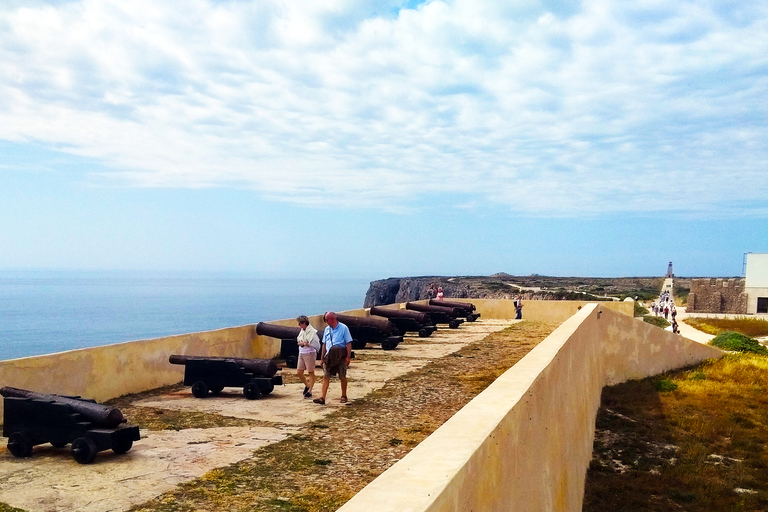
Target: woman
{"x":307,"y":340}
{"x":440,"y":293}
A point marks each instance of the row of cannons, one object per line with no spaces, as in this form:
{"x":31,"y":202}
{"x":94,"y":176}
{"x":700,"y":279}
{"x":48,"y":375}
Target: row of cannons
{"x":384,"y":326}
{"x":32,"y":418}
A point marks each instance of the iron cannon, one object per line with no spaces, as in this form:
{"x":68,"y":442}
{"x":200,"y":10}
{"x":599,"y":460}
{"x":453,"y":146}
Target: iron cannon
{"x":439,"y":314}
{"x":406,"y":320}
{"x":32,"y":418}
{"x":371,"y":329}
{"x":256,"y":376}
{"x":466,"y":309}
{"x":289,"y":349}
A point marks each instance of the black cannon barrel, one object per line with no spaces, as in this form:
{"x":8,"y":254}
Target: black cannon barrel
{"x":262,"y":367}
{"x":98,"y":414}
{"x":380,"y":324}
{"x":282,"y":332}
{"x":453,"y":304}
{"x":425,"y":308}
{"x":418,"y":316}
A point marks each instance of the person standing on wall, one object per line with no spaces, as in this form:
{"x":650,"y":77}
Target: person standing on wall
{"x":309,"y":344}
{"x":440,"y":293}
{"x":336,"y":355}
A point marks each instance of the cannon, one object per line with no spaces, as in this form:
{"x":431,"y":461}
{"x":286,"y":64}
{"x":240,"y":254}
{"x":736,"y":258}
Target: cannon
{"x":407,"y":320}
{"x":439,"y":314}
{"x":32,"y":418}
{"x":371,"y":329}
{"x":466,"y":309}
{"x":289,"y":349}
{"x":256,"y":376}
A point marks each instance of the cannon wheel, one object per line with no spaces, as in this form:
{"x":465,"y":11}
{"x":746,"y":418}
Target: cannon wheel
{"x":20,"y":444}
{"x":84,"y":450}
{"x":471,"y":318}
{"x":251,"y":391}
{"x":389,"y":344}
{"x":267,"y":388}
{"x":291,"y":361}
{"x":454,"y":324}
{"x":216,"y":389}
{"x":122,"y":446}
{"x":200,"y":389}
{"x":357,"y":344}
{"x":58,"y":444}
{"x":423,"y":333}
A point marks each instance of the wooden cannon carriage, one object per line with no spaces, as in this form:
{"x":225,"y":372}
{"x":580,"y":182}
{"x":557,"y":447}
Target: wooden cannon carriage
{"x":31,"y":419}
{"x":213,"y":374}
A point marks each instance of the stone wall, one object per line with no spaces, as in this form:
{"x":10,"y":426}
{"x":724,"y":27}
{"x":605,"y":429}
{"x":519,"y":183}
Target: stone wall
{"x":717,"y":295}
{"x":524,"y":444}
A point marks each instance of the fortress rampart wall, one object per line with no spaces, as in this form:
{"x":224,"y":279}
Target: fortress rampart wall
{"x":525,"y":443}
{"x":110,"y":371}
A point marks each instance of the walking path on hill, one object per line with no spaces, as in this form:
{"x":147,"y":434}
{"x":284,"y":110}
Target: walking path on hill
{"x":280,"y":452}
{"x":690,"y":332}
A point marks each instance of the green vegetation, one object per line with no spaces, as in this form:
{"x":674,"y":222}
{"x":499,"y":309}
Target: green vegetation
{"x":664,"y":385}
{"x":729,"y":340}
{"x":699,"y":447}
{"x":657,"y":321}
{"x":640,"y":310}
{"x":754,"y":327}
{"x":8,"y":508}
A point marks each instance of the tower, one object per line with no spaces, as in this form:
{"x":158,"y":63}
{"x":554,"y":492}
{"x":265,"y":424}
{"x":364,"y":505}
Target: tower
{"x":669,"y":271}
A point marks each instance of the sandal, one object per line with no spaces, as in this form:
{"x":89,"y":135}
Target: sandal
{"x":343,"y":400}
{"x":320,"y":401}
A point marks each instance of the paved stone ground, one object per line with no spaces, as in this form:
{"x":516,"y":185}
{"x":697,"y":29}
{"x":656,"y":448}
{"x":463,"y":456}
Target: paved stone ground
{"x":51,"y":481}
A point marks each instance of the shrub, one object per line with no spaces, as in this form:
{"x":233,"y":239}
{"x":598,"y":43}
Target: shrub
{"x":657,"y":321}
{"x":736,"y":341}
{"x":665,"y":385}
{"x":640,"y":310}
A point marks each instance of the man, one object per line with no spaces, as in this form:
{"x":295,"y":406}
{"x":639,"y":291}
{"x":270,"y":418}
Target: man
{"x":336,"y":355}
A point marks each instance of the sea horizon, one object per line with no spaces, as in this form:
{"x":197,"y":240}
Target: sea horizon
{"x":45,"y":311}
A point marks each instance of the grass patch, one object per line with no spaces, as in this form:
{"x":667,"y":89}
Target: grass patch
{"x":8,"y":508}
{"x":640,"y":310}
{"x":701,"y":448}
{"x":657,"y":321}
{"x":754,"y":327}
{"x":729,"y":340}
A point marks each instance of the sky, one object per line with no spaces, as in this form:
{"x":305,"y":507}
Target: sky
{"x":386,"y":138}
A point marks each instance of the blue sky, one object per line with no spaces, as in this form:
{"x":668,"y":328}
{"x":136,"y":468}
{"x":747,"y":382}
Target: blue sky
{"x":384,"y":139}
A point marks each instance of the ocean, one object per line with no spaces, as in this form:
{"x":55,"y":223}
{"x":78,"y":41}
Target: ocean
{"x":42,"y":312}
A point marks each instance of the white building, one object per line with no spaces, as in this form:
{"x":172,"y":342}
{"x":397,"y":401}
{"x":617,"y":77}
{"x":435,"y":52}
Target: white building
{"x":756,"y":283}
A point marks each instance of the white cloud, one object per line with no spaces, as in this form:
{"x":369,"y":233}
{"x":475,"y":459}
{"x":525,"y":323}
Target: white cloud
{"x":551,"y":109}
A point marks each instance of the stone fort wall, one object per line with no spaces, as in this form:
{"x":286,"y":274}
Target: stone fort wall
{"x":717,"y":295}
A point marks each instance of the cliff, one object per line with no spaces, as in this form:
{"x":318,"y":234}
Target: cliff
{"x":395,"y":289}
{"x":506,"y":286}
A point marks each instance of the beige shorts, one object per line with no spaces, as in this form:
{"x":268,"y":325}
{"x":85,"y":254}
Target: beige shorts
{"x":307,"y":362}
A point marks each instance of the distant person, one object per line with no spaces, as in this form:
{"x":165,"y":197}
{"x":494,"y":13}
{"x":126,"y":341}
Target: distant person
{"x":440,"y":294}
{"x":309,"y":344}
{"x":675,"y":327}
{"x":666,"y":312}
{"x":431,"y":291}
{"x":519,"y":308}
{"x":336,"y":355}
